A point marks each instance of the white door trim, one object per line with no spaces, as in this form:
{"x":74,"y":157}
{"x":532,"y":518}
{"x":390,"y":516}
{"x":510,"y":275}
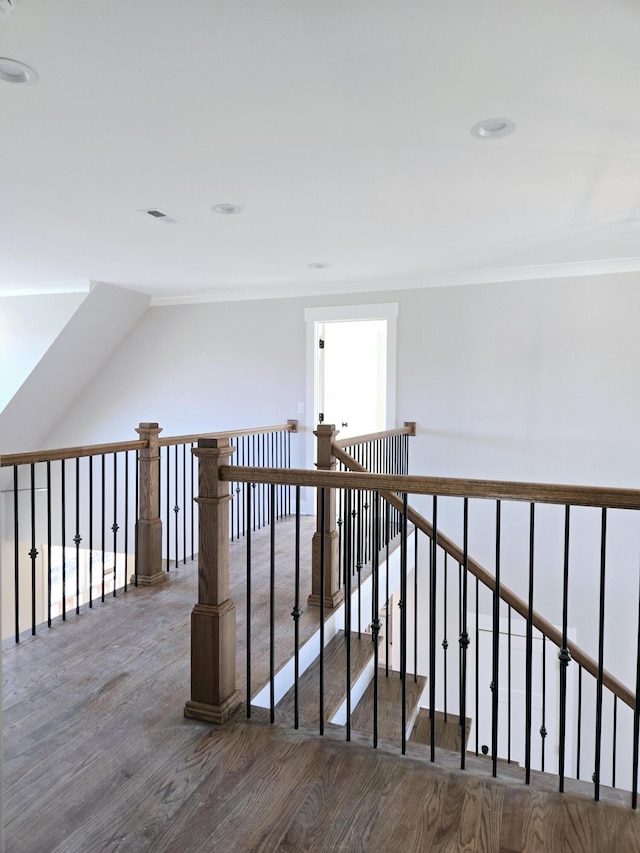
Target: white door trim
{"x":335,"y":313}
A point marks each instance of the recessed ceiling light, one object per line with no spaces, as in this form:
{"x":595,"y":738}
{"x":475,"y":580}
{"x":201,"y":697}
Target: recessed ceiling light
{"x":227,"y":209}
{"x":492,"y":128}
{"x":317,"y":265}
{"x":12,"y":71}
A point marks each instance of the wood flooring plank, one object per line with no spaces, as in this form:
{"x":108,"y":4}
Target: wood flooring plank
{"x":448,"y":732}
{"x":99,"y":757}
{"x":335,"y":668}
{"x":389,"y":704}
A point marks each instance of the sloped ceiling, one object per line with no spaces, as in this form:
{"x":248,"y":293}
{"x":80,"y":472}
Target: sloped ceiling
{"x":341,"y":128}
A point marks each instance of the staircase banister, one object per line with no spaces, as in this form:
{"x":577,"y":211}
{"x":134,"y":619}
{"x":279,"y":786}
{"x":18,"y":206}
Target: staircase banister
{"x":290,"y":426}
{"x":31,"y":457}
{"x":409,"y":428}
{"x":441,"y":486}
{"x":508,"y":596}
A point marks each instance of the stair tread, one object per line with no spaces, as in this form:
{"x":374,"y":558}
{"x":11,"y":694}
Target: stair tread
{"x":335,"y":665}
{"x":389,"y":704}
{"x":448,"y":733}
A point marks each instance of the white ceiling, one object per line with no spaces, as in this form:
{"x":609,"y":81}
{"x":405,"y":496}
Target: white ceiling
{"x":342,"y":127}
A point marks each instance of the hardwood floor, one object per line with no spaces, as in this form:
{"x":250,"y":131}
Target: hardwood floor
{"x":99,"y":757}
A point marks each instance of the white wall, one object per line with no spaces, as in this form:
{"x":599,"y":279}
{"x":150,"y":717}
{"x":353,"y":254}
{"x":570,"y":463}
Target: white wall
{"x":526,"y":381}
{"x":28,"y":327}
{"x":97,"y":327}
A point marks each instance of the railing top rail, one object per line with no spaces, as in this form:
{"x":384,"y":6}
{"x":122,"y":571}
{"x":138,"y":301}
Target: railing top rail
{"x":407,"y":429}
{"x":440,"y":486}
{"x":11,"y":459}
{"x":290,"y":426}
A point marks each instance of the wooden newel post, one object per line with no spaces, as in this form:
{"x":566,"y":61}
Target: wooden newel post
{"x":333,"y":595}
{"x":213,"y":621}
{"x":149,"y":525}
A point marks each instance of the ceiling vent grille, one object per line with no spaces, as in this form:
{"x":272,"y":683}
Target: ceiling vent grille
{"x":161,"y":215}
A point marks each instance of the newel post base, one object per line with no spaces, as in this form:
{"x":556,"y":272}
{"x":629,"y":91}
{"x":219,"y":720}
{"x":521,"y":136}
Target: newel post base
{"x":332,"y":595}
{"x":327,"y":534}
{"x":148,"y":525}
{"x":214,"y":697}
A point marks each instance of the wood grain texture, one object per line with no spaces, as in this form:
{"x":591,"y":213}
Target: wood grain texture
{"x":335,"y":668}
{"x":389,"y":705}
{"x":448,"y":732}
{"x":98,"y":758}
{"x":550,"y":493}
{"x":508,"y":596}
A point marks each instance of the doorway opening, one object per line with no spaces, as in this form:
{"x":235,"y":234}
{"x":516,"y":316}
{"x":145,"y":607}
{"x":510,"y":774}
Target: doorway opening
{"x":351,"y":369}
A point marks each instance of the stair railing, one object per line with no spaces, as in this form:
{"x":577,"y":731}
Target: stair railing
{"x":83,"y":523}
{"x":210,"y":669}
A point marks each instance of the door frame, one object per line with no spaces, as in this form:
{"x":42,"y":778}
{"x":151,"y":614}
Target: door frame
{"x":333,"y":314}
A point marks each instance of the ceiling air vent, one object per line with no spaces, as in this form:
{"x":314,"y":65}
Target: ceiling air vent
{"x":161,"y":215}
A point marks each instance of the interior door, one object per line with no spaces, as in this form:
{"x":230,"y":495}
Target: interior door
{"x":352,"y":375}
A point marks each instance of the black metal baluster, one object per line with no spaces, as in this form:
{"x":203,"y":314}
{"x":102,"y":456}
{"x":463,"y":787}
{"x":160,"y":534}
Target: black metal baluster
{"x":579,"y":740}
{"x":387,"y":524}
{"x":191,"y":501}
{"x":16,"y":554}
{"x":167,"y":523}
{"x":636,"y":717}
{"x":563,"y":654}
{"x":49,"y":544}
{"x":272,"y":617}
{"x":91,"y":529}
{"x":529,"y":651}
{"x":403,"y":622}
{"x":433,"y":558}
{"x":415,"y":605}
{"x":477,"y":715}
{"x":376,"y":624}
{"x":615,"y":741}
{"x":543,"y":727}
{"x":64,"y":537}
{"x":322,"y":591}
{"x":176,"y":505}
{"x":445,"y":642}
{"x":509,"y":685}
{"x":603,"y":554}
{"x":77,"y":539}
{"x":496,"y":650}
{"x":296,"y":613}
{"x":184,"y":504}
{"x":359,"y":536}
{"x":347,"y":613}
{"x":114,"y":526}
{"x":249,"y":494}
{"x":464,"y":636}
{"x":33,"y":553}
{"x":126,"y":519}
{"x":137,"y":507}
{"x":103,"y":519}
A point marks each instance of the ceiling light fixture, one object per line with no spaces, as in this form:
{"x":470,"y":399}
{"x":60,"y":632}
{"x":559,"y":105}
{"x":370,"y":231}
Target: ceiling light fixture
{"x":12,"y":71}
{"x":492,"y":128}
{"x":227,"y":209}
{"x":317,"y":265}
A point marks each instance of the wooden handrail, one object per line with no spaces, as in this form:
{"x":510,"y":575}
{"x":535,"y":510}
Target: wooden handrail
{"x":508,"y":596}
{"x":409,"y":428}
{"x":290,"y":426}
{"x":10,"y":459}
{"x":388,"y":485}
{"x":440,"y":486}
